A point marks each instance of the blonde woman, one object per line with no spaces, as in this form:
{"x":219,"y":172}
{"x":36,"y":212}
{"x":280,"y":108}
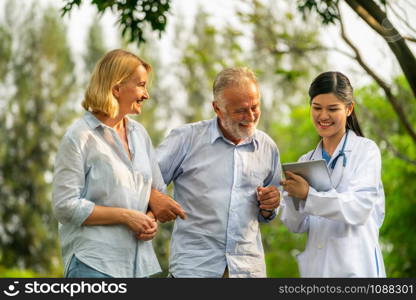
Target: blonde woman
{"x":104,"y":172}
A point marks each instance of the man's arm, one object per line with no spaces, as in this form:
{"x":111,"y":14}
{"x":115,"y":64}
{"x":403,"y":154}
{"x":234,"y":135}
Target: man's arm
{"x":170,"y":155}
{"x":164,"y":208}
{"x":269,"y":196}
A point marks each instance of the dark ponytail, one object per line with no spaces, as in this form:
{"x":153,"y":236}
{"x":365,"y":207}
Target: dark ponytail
{"x":339,"y":85}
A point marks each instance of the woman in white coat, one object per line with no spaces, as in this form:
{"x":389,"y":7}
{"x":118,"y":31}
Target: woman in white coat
{"x":343,"y":223}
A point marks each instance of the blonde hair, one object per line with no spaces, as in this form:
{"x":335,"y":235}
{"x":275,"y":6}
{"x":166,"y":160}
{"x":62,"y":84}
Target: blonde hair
{"x":112,"y":69}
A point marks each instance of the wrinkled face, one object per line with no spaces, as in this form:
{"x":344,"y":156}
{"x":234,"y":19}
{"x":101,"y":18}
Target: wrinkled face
{"x":240,"y":116}
{"x":132,"y":92}
{"x":329,"y":115}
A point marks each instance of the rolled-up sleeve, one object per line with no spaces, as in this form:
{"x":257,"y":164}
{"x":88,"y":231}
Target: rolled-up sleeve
{"x":171,"y":153}
{"x":68,"y":184}
{"x":157,"y":180}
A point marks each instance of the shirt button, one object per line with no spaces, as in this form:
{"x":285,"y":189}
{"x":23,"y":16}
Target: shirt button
{"x":320,"y":246}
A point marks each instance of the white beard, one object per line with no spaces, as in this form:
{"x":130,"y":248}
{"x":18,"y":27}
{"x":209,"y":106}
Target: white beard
{"x":236,"y":131}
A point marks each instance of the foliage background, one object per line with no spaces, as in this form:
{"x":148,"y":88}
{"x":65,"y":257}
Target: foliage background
{"x":42,"y":84}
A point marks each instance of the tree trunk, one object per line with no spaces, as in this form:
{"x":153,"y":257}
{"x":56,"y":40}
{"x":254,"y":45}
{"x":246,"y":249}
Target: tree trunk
{"x":369,"y":11}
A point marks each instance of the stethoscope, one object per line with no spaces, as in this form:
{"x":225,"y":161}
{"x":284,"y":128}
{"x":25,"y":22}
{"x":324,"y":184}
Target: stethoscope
{"x":341,"y":153}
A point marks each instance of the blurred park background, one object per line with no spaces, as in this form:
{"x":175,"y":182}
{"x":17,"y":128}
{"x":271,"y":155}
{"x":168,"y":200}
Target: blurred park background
{"x":46,"y":59}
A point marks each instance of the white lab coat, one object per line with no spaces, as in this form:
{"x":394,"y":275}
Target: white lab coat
{"x":342,"y":224}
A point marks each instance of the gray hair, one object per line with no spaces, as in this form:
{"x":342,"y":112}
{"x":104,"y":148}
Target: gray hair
{"x":231,"y":77}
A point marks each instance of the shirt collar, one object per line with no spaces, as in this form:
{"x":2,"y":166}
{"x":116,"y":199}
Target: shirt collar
{"x":216,"y":133}
{"x":94,"y":123}
{"x":130,"y":124}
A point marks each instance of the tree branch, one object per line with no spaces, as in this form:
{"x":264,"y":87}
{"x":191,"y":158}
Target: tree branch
{"x":371,"y":13}
{"x":345,"y":53}
{"x":294,"y":49}
{"x":404,"y":19}
{"x":387,"y":90}
{"x":410,"y":39}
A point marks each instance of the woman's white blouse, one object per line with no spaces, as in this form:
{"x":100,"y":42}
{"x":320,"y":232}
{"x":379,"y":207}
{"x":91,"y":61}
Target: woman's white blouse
{"x":92,"y":168}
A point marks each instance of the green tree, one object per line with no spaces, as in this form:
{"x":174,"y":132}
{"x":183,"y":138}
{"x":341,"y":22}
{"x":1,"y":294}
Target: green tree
{"x":205,"y":51}
{"x":37,"y":77}
{"x":95,"y":46}
{"x":133,"y":15}
{"x":398,"y":233}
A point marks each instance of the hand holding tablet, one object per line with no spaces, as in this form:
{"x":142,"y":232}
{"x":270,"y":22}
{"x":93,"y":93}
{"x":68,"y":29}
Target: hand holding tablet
{"x":315,"y":172}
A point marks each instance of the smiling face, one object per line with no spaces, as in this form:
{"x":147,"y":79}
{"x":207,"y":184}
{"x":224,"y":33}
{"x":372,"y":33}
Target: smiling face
{"x":240,"y":112}
{"x":131,"y":93}
{"x":329,"y":115}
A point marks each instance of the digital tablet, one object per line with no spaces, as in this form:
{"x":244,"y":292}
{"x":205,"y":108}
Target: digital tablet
{"x":315,"y":172}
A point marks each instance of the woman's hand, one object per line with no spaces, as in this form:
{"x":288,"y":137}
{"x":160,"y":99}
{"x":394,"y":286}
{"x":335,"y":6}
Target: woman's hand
{"x":295,"y":186}
{"x":151,"y":233}
{"x":138,"y":222}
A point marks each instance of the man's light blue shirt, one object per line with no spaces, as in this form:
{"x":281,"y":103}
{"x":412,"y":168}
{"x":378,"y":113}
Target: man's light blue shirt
{"x":215,"y":182}
{"x":92,"y":168}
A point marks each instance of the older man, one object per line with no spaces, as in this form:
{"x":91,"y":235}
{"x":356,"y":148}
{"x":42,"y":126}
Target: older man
{"x":225,"y":174}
